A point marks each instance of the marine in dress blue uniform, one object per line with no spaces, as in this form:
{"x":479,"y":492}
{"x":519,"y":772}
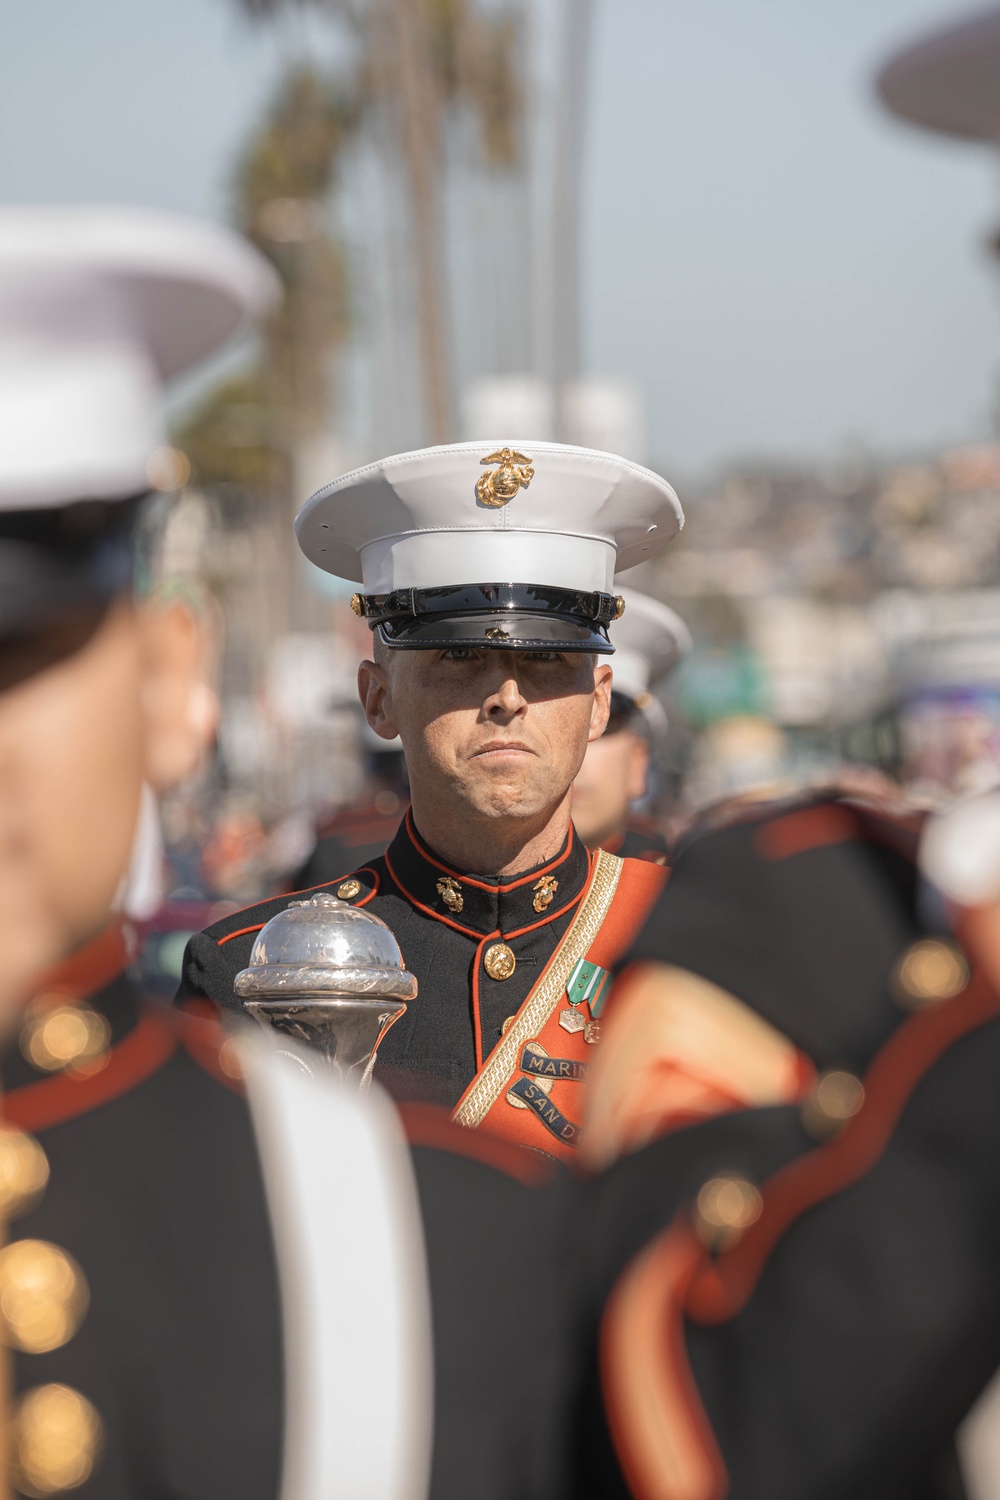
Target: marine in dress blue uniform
{"x":508,"y":550}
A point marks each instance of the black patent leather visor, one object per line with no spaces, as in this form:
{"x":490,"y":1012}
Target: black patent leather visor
{"x":494,"y":616}
{"x":55,"y":562}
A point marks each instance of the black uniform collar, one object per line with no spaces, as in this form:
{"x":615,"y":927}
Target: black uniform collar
{"x":482,"y":905}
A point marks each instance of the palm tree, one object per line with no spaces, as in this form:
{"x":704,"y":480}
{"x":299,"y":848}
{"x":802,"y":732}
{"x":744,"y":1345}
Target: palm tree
{"x":418,"y":58}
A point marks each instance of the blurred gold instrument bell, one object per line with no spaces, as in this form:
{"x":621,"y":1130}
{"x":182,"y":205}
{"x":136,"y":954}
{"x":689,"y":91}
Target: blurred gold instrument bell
{"x":330,"y":975}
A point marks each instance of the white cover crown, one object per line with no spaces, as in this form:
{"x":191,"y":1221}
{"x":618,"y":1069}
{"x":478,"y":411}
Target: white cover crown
{"x":415,"y":520}
{"x":98,"y":307}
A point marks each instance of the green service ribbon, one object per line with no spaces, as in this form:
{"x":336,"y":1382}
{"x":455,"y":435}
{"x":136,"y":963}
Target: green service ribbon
{"x":588,"y":984}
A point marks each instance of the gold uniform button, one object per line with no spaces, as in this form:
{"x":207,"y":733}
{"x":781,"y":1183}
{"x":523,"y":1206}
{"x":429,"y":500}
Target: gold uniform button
{"x":56,"y":1438}
{"x":24,"y":1172}
{"x":928,"y":971}
{"x":348,"y":890}
{"x":835,"y":1099}
{"x":43,"y":1296}
{"x":499,"y":961}
{"x":725,"y":1207}
{"x":70,"y":1036}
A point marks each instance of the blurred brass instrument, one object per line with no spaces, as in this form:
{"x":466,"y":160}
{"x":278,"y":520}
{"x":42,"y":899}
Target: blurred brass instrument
{"x":330,"y":975}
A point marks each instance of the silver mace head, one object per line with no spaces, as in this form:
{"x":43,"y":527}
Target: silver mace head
{"x":330,"y":975}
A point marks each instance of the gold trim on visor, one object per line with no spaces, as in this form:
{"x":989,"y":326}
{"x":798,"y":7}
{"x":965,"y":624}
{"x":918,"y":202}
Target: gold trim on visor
{"x":491,"y":1080}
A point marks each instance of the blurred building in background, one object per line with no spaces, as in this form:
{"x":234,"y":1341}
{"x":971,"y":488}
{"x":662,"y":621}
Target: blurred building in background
{"x":848,"y":615}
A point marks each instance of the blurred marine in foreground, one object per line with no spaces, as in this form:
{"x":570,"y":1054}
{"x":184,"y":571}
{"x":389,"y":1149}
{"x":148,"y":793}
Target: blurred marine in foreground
{"x":154,"y":1207}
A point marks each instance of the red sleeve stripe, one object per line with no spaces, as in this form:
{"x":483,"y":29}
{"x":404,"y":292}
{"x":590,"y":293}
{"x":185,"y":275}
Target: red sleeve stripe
{"x":661,"y":1435}
{"x":659,"y":1428}
{"x":725,"y":1285}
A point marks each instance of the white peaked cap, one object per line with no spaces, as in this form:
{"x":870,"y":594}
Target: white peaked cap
{"x":99,"y":306}
{"x":649,"y":641}
{"x":416,"y":520}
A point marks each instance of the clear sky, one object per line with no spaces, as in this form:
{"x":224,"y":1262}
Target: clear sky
{"x":784,"y":270}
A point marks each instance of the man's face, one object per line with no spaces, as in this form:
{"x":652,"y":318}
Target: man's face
{"x":101,"y":711}
{"x":71,"y":760}
{"x":613,"y":774}
{"x":499,"y":733}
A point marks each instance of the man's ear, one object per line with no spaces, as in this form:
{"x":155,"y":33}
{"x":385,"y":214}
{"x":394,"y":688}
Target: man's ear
{"x":180,"y":707}
{"x":376,"y":699}
{"x":601,"y":708}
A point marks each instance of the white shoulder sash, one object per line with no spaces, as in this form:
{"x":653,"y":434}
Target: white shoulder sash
{"x":353,"y":1281}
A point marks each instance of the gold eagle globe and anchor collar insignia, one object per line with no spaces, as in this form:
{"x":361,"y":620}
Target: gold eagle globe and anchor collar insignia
{"x":516,"y":472}
{"x":451,"y":894}
{"x":544,"y":890}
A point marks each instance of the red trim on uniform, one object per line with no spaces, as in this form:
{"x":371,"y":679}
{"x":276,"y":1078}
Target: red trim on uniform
{"x":659,"y":1428}
{"x":241,"y":932}
{"x":365,"y":870}
{"x":549,"y":916}
{"x":807,"y":828}
{"x":429,"y":911}
{"x":91,"y":967}
{"x":53,"y":1101}
{"x":426,"y":1125}
{"x":483,"y":885}
{"x":652,"y":1420}
{"x":201,"y":1008}
{"x":477,"y":1014}
{"x":889,"y":1083}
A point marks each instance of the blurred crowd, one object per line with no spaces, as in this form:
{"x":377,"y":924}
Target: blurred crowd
{"x":840,"y":618}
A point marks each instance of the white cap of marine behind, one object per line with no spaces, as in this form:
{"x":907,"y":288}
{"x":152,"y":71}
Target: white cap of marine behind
{"x":99,"y":306}
{"x":649,"y":641}
{"x":423,"y":531}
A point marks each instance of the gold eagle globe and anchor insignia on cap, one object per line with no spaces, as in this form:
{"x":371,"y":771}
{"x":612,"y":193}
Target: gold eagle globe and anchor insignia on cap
{"x":440,"y":559}
{"x":516,"y":472}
